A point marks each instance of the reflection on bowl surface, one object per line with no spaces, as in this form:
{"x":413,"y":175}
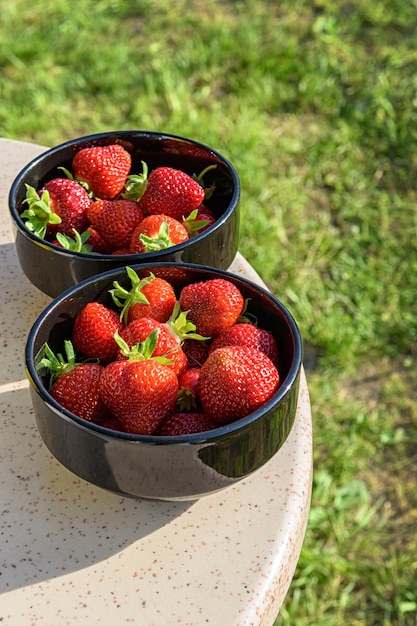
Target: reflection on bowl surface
{"x":160,"y":467}
{"x":53,"y":270}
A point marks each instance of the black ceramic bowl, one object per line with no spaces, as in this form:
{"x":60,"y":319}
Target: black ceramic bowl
{"x":53,"y":269}
{"x":159,"y":467}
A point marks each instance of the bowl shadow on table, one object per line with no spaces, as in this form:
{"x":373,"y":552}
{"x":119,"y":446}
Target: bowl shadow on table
{"x":55,"y":523}
{"x":22,"y":303}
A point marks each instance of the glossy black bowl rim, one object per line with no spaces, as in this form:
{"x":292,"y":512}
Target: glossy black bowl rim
{"x":194,"y":438}
{"x":122,"y":134}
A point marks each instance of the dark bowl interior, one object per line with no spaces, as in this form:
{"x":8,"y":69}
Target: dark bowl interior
{"x":168,"y":468}
{"x":53,"y":270}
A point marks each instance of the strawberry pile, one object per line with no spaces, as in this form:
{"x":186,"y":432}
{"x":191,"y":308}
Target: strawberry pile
{"x":100,"y":206}
{"x":162,"y":361}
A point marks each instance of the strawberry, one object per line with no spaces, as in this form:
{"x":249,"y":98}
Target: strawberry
{"x":185,"y":424}
{"x":174,"y":274}
{"x":157,"y":232}
{"x":144,"y":392}
{"x":244,"y":334}
{"x":161,"y":301}
{"x":235,"y":381}
{"x":93,"y":211}
{"x":115,"y":221}
{"x":103,"y":168}
{"x":196,"y":351}
{"x":77,"y":391}
{"x":171,"y":192}
{"x":171,"y":336}
{"x":139,"y":392}
{"x":148,"y":297}
{"x":96,"y":241}
{"x":74,"y":385}
{"x":112,"y":424}
{"x":167,"y":344}
{"x":121,"y":251}
{"x":111,"y":386}
{"x":212,"y":305}
{"x":60,"y":205}
{"x":188,"y":392}
{"x":93,"y":332}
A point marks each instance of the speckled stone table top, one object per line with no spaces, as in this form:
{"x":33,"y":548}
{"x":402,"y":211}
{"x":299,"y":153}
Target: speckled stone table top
{"x":71,"y":553}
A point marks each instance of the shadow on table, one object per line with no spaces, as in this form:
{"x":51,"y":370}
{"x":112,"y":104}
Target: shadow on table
{"x":20,"y":305}
{"x":52,"y":522}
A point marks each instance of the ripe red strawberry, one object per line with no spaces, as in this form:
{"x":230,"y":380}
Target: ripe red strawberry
{"x":93,"y":211}
{"x":74,"y":385}
{"x":148,"y":297}
{"x":173,"y":274}
{"x":60,"y":205}
{"x":212,"y":305}
{"x":112,"y":386}
{"x":244,"y":334}
{"x":171,"y":192}
{"x":70,"y":201}
{"x":94,"y":330}
{"x":115,"y":221}
{"x":139,"y":394}
{"x":167,"y":345}
{"x":161,"y":301}
{"x":188,"y":392}
{"x":103,"y":168}
{"x":96,"y":241}
{"x":157,"y":232}
{"x":112,"y":424}
{"x":196,"y":351}
{"x":77,"y":391}
{"x":121,"y":251}
{"x":185,"y":424}
{"x":235,"y":381}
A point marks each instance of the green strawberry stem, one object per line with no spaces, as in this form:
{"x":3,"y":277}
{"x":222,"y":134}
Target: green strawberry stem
{"x":193,"y":224}
{"x":126,"y":299}
{"x":76,"y":244}
{"x":56,"y":364}
{"x":142,"y":351}
{"x":181,"y":327}
{"x":186,"y":400}
{"x":208,"y":191}
{"x":160,"y":242}
{"x":136,"y":184}
{"x":246,"y":317}
{"x":67,"y":173}
{"x":39,"y":213}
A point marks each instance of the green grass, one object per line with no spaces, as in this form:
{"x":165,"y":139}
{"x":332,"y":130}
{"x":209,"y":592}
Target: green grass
{"x":316,"y":105}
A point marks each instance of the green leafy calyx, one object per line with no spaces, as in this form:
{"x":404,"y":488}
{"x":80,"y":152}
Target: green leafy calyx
{"x":142,"y":351}
{"x":78,"y":243}
{"x":125,"y":298}
{"x":193,"y":224}
{"x":56,"y":364}
{"x":160,"y":242}
{"x":38,"y":213}
{"x":181,"y":327}
{"x":199,"y":178}
{"x":136,"y":184}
